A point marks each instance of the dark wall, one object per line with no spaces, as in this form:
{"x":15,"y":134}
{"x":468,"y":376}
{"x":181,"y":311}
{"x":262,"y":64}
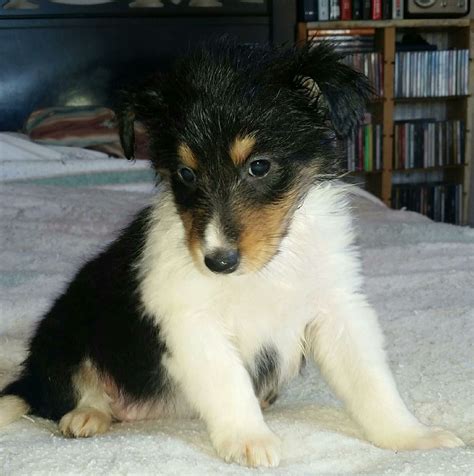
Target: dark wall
{"x":61,"y":61}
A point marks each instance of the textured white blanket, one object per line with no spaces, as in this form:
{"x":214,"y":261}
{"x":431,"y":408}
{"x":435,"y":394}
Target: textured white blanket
{"x":419,"y":276}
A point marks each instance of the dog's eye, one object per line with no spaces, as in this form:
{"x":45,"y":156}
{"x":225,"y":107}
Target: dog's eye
{"x":259,"y":168}
{"x":187,"y":175}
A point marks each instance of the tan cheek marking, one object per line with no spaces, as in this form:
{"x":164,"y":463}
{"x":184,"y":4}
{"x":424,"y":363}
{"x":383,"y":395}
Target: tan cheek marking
{"x":241,"y":149}
{"x":187,"y":156}
{"x":263,"y":229}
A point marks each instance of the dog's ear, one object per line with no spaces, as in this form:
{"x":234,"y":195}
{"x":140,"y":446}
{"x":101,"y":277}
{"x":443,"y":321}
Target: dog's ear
{"x":329,"y":85}
{"x":141,"y":102}
{"x":125,"y":114}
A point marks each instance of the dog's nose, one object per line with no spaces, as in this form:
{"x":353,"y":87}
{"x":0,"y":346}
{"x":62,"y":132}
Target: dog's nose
{"x":223,"y":261}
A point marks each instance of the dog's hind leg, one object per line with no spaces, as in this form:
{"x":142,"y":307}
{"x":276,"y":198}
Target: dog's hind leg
{"x":12,"y":407}
{"x":347,"y":343}
{"x":92,"y":414}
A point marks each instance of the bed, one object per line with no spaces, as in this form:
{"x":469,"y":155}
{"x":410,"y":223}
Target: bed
{"x":419,"y":276}
{"x":60,"y":205}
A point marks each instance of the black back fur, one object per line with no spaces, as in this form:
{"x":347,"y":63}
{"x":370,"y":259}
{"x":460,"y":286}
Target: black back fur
{"x":97,"y":318}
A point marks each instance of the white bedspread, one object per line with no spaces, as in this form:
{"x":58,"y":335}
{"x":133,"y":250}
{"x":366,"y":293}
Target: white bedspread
{"x":419,"y":276}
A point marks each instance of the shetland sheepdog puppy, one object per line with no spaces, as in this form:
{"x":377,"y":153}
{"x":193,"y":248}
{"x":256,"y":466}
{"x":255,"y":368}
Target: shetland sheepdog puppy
{"x":243,"y":267}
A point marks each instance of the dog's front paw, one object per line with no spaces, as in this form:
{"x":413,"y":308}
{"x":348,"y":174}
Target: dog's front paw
{"x":434,"y":438}
{"x":422,"y":438}
{"x":261,"y":448}
{"x":84,"y":422}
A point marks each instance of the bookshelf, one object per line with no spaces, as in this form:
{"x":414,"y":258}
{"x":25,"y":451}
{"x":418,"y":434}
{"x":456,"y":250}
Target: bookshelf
{"x":383,"y":182}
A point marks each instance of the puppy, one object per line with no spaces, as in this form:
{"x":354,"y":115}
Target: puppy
{"x":243,"y":266}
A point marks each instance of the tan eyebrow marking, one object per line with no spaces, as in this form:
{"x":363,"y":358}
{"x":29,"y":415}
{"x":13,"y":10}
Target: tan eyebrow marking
{"x":187,"y":156}
{"x":241,"y":149}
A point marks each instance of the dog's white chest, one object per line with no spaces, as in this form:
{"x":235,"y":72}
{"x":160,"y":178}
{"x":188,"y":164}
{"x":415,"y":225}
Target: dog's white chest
{"x":263,"y":315}
{"x":258,"y":312}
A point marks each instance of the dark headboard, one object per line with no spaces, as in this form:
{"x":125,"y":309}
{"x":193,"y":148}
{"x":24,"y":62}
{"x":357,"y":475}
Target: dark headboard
{"x":58,"y":55}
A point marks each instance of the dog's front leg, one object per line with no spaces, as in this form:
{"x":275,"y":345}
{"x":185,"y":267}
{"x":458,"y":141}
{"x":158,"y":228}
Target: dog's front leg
{"x":347,"y":343}
{"x":210,"y":372}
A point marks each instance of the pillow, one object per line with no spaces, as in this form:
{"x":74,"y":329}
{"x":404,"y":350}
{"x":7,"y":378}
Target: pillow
{"x":88,"y":127}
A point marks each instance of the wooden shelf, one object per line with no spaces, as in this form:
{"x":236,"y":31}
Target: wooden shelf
{"x":432,"y":99}
{"x":428,"y":23}
{"x":410,"y":170}
{"x":365,"y":172}
{"x":429,"y":169}
{"x":380,"y":182}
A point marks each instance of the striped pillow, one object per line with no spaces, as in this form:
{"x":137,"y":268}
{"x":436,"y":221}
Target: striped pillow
{"x":88,"y":127}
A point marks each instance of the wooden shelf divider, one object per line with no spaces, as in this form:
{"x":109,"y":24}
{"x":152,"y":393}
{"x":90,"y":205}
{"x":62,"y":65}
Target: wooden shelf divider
{"x":425,"y":23}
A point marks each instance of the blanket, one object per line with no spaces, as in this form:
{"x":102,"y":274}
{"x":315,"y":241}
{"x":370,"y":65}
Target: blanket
{"x":419,"y":275}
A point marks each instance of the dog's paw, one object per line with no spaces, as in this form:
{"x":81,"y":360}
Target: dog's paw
{"x":434,"y":438}
{"x":254,"y":449}
{"x":84,"y":422}
{"x":422,"y":438}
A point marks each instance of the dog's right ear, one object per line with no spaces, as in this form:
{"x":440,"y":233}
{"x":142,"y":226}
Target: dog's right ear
{"x":139,"y":103}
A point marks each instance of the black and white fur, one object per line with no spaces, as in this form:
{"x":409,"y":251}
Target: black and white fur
{"x":243,"y":266}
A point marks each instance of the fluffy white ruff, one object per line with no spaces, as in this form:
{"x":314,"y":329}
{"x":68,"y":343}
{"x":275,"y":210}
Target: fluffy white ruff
{"x":308,"y":299}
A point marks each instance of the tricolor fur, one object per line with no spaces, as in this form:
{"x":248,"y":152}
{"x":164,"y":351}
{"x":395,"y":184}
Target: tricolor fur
{"x":242,"y":267}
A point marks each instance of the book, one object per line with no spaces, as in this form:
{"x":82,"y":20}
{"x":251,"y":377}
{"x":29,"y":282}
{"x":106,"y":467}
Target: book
{"x":440,"y":201}
{"x":346,"y":45}
{"x":397,"y":9}
{"x":357,"y":9}
{"x":368,"y":148}
{"x":346,"y":41}
{"x":342,"y":31}
{"x":376,"y":10}
{"x":386,"y":10}
{"x":366,"y":9}
{"x":378,"y":146}
{"x":371,"y":65}
{"x":346,"y":10}
{"x":364,"y":147}
{"x":428,"y":143}
{"x":334,"y":10}
{"x":431,"y":73}
{"x":308,"y":10}
{"x":323,"y":10}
